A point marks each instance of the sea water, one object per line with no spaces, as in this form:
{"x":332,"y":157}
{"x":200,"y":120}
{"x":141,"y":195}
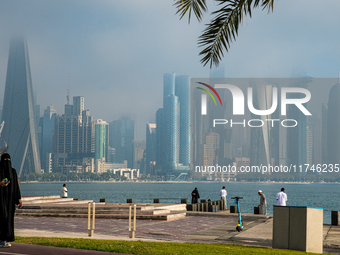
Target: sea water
{"x":326,"y":196}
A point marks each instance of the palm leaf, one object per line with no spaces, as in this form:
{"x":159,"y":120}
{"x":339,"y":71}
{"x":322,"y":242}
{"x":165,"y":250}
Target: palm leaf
{"x":189,"y":6}
{"x":223,"y":29}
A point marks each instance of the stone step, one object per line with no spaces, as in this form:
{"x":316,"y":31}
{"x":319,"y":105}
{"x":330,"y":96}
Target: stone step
{"x":85,"y":211}
{"x":75,"y":202}
{"x":165,"y":217}
{"x":101,"y":206}
{"x":31,"y":198}
{"x":41,"y":201}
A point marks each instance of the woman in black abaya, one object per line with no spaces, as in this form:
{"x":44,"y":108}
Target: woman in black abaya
{"x":9,"y":197}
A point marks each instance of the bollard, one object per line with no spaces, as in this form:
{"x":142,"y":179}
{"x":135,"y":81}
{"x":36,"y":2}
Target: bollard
{"x":210,"y":208}
{"x":129,"y":220}
{"x":206,"y":207}
{"x":184,"y":200}
{"x":233,"y":209}
{"x":198,"y":206}
{"x":256,"y":210}
{"x":91,"y":230}
{"x":156,"y":200}
{"x":89,"y":219}
{"x":335,"y":218}
{"x":132,"y":232}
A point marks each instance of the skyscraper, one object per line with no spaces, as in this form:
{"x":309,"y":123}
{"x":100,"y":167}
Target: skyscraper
{"x":150,"y":150}
{"x":168,"y":85}
{"x":173,"y":126}
{"x":171,"y":131}
{"x":138,"y":152}
{"x":182,"y":90}
{"x":73,"y":141}
{"x":122,"y":134}
{"x":47,"y":127}
{"x":159,"y":138}
{"x":20,"y":130}
{"x":101,"y":140}
{"x":333,"y":126}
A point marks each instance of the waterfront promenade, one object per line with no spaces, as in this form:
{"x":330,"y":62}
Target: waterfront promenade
{"x":196,"y":227}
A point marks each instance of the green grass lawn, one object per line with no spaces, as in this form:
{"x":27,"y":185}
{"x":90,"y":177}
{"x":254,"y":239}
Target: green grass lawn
{"x":147,"y":248}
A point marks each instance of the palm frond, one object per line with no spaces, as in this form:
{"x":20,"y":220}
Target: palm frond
{"x":189,"y":6}
{"x":223,"y":29}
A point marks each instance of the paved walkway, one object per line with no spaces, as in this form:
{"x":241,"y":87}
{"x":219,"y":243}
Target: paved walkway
{"x":206,"y":227}
{"x":29,"y":249}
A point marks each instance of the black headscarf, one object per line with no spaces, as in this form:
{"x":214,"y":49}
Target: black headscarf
{"x":6,"y":167}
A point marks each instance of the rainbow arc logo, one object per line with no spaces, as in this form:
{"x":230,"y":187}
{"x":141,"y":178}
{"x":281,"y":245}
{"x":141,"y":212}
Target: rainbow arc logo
{"x":209,"y":93}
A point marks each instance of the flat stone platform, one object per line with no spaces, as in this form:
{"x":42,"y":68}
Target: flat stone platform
{"x":54,"y":206}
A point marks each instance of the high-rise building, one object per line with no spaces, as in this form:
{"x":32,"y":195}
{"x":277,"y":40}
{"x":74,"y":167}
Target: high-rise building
{"x":261,"y":149}
{"x":122,"y":133}
{"x":73,"y":142}
{"x":310,"y":144}
{"x":138,"y":152}
{"x":171,"y":131}
{"x":324,"y":149}
{"x":173,"y":121}
{"x":297,"y":136}
{"x":78,"y":105}
{"x":182,"y":89}
{"x":20,"y":129}
{"x":111,"y":157}
{"x":47,"y":126}
{"x":150,"y":150}
{"x":160,"y":157}
{"x":169,"y":80}
{"x":333,"y":126}
{"x":101,"y":139}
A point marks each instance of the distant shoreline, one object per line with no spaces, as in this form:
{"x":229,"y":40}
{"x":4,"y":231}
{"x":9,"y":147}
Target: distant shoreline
{"x":165,"y":182}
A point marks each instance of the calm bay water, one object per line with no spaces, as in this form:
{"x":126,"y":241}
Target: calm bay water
{"x":326,"y":196}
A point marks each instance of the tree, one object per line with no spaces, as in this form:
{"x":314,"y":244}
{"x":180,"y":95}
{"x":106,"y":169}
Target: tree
{"x":223,"y":28}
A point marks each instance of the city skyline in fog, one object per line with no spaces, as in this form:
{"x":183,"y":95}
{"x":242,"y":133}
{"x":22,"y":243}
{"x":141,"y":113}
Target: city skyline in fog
{"x":117,"y":51}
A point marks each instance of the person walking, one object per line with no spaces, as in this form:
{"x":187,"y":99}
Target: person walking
{"x":263,"y":203}
{"x":223,"y":195}
{"x":9,"y":197}
{"x":64,"y":191}
{"x":195,"y":196}
{"x":281,"y":198}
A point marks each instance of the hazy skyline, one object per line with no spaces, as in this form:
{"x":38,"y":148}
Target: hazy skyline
{"x":117,"y":51}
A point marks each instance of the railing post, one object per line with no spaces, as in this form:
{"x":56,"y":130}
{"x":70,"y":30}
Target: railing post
{"x":89,"y":220}
{"x":132,"y":232}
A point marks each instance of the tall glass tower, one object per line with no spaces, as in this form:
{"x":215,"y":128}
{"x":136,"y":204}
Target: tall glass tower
{"x":171,"y":129}
{"x":182,"y":89}
{"x":168,"y":85}
{"x":101,"y":140}
{"x":20,"y":130}
{"x":48,"y":121}
{"x":333,"y":126}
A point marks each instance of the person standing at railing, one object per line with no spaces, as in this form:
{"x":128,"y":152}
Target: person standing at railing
{"x":223,"y":195}
{"x":64,"y":191}
{"x":281,"y":198}
{"x":195,"y":196}
{"x":263,"y":203}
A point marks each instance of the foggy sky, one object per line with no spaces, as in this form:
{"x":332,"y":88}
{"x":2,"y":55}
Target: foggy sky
{"x":117,"y":51}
